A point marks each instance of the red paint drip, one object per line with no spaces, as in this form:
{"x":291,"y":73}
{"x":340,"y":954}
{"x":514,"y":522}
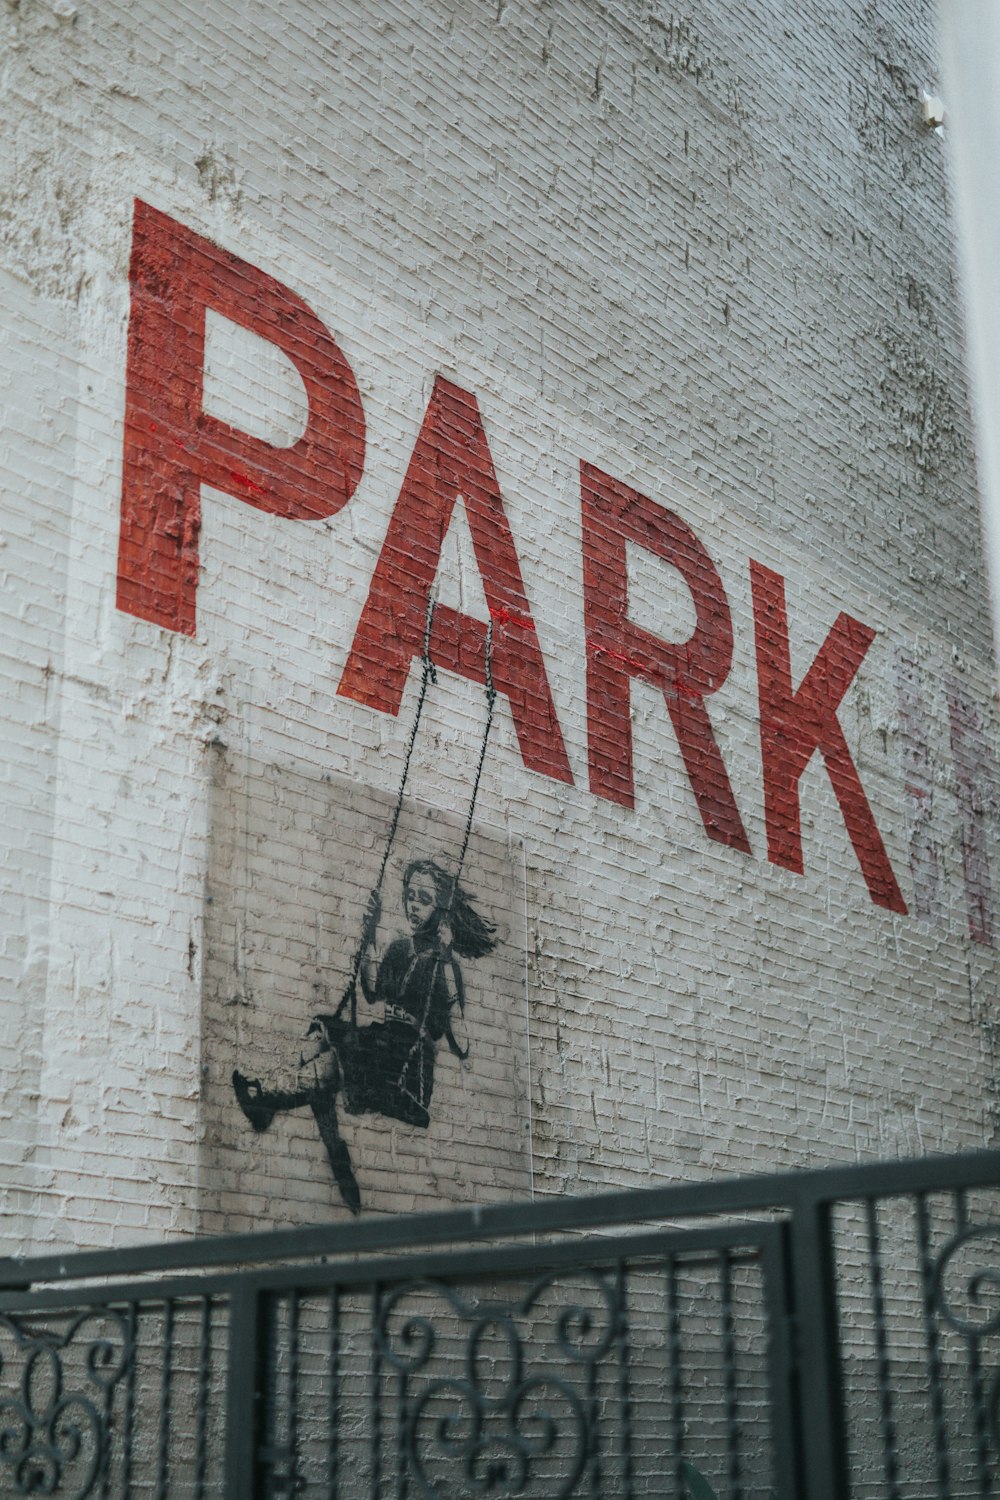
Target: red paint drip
{"x":636,"y":667}
{"x":247,"y":482}
{"x":504,"y":616}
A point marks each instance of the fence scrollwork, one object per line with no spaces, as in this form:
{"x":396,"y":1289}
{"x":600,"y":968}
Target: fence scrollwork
{"x":53,"y":1436}
{"x":972,"y":1308}
{"x":972,"y":1319}
{"x":498,"y":1430}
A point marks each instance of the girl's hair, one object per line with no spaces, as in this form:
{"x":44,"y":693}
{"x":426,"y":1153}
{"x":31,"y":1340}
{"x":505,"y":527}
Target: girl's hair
{"x":472,"y":936}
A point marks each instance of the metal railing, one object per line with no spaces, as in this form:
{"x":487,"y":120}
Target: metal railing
{"x":810,"y":1336}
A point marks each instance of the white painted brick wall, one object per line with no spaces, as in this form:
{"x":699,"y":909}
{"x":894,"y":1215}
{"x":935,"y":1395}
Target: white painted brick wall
{"x":705,"y":248}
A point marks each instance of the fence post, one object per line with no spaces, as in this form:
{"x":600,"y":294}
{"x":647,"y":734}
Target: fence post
{"x":243,"y":1392}
{"x":822,"y":1436}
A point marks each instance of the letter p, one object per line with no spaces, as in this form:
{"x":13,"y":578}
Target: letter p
{"x":172,"y":446}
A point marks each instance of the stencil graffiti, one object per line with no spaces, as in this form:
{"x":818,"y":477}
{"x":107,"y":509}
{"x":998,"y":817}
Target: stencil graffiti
{"x":380,"y":1064}
{"x":386,"y":1067}
{"x":425,"y":1087}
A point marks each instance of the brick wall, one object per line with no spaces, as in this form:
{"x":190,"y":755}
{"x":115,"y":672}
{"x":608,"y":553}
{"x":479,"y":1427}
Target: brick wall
{"x":703,"y":251}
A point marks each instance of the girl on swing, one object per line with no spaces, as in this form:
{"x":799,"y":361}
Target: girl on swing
{"x":386,"y":1067}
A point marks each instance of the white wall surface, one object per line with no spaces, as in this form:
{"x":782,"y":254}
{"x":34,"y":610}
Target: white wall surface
{"x":707,"y":250}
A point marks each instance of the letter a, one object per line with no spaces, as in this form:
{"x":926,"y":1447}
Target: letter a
{"x":618,"y":651}
{"x":452,"y":458}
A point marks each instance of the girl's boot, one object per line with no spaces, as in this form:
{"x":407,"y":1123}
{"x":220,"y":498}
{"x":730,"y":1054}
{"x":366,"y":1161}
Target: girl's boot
{"x":260,"y":1105}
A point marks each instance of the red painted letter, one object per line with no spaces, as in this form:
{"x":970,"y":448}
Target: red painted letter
{"x":617,"y":650}
{"x":793,"y":725}
{"x":172,"y":446}
{"x":451,"y":458}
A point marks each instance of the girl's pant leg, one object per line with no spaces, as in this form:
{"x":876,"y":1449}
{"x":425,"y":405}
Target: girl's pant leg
{"x":324,"y":1108}
{"x":284,"y":1088}
{"x":292,"y":1086}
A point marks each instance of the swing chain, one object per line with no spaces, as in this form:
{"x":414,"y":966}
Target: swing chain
{"x":428,"y":674}
{"x":491,"y":695}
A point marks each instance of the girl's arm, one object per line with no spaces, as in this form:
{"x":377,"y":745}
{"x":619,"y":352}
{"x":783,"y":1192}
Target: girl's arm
{"x":450,"y":972}
{"x":367,"y":971}
{"x":455,"y":991}
{"x":452,"y":977}
{"x":368,"y":974}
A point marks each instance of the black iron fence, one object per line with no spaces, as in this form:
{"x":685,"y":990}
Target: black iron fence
{"x":809,"y":1337}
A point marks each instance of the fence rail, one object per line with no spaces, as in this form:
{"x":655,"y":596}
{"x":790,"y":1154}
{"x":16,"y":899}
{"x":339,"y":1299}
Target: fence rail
{"x":808,"y":1336}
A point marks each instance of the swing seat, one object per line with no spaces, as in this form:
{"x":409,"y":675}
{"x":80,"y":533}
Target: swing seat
{"x":387,"y":1068}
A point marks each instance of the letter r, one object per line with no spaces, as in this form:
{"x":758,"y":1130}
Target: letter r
{"x":172,"y":446}
{"x":618,"y":650}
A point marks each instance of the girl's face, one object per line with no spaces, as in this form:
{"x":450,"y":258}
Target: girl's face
{"x":419,"y":900}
